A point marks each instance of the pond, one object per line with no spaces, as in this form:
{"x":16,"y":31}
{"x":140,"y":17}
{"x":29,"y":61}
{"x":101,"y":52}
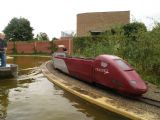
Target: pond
{"x":39,"y":99}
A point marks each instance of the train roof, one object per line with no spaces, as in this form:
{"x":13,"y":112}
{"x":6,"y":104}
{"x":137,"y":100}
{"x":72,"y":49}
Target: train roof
{"x":110,"y":56}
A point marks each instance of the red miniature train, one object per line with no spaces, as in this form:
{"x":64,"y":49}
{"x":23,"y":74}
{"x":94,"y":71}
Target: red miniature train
{"x":107,"y":70}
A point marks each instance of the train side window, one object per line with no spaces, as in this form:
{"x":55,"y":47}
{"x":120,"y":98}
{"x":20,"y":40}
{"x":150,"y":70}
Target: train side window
{"x":122,"y":64}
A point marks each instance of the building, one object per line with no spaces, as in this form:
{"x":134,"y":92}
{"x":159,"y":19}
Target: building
{"x":100,"y":21}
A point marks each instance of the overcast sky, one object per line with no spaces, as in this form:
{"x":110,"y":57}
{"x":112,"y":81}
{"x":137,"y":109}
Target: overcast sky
{"x":54,"y":16}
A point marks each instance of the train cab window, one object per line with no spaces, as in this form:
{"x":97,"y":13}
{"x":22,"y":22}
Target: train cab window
{"x":122,"y":64}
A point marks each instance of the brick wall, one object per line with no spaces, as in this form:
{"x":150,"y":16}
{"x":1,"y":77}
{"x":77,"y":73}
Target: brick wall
{"x":67,"y":42}
{"x":100,"y":21}
{"x":43,"y":47}
{"x":25,"y":47}
{"x":10,"y":47}
{"x":40,"y":47}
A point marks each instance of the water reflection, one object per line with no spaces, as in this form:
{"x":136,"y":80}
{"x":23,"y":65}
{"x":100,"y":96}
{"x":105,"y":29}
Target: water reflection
{"x":90,"y":110}
{"x":3,"y":100}
{"x":5,"y":86}
{"x":27,"y":62}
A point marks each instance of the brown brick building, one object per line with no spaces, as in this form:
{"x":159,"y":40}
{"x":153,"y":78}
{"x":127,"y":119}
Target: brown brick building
{"x":100,"y":21}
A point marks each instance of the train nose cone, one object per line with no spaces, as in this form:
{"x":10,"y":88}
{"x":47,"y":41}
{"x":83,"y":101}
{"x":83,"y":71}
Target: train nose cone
{"x":139,"y":87}
{"x":143,"y":89}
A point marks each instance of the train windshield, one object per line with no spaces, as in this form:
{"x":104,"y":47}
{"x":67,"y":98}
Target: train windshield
{"x":122,"y":64}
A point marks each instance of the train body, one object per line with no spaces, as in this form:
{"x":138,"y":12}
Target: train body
{"x":107,"y":70}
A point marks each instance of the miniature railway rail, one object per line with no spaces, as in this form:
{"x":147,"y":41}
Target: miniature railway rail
{"x":150,"y":101}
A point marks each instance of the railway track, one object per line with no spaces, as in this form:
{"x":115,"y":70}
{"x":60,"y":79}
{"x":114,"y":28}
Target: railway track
{"x":150,"y":101}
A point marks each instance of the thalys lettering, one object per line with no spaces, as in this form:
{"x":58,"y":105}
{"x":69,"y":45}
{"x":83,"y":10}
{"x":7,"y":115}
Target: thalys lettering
{"x":105,"y":71}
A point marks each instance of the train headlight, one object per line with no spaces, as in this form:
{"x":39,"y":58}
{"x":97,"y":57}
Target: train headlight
{"x":133,"y":82}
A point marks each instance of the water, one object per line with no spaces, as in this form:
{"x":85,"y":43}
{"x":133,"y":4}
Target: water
{"x":39,"y":99}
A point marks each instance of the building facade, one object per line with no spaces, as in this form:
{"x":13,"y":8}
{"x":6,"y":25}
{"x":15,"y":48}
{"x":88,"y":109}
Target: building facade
{"x":100,"y":21}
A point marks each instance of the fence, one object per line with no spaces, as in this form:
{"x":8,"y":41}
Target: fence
{"x":41,"y":47}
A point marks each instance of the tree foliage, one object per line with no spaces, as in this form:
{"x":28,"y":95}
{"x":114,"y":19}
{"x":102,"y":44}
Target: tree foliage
{"x":42,"y":36}
{"x":19,"y":29}
{"x":53,"y":47}
{"x":134,"y":28}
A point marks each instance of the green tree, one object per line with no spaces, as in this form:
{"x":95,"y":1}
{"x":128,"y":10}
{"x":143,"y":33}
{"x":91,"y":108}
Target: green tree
{"x":133,"y":29}
{"x":53,"y":47}
{"x":42,"y":36}
{"x":19,"y":29}
{"x":54,"y":38}
{"x":132,"y":34}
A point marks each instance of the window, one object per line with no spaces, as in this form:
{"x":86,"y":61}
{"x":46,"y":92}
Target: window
{"x":122,"y":64}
